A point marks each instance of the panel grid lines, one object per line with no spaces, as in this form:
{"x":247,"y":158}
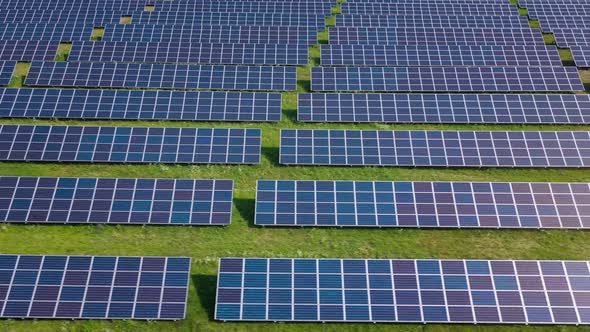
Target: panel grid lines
{"x":6,"y":70}
{"x":581,"y":55}
{"x":270,"y":19}
{"x":567,"y":37}
{"x":42,"y":31}
{"x":429,"y":9}
{"x":392,"y":21}
{"x":66,"y":17}
{"x":27,"y":50}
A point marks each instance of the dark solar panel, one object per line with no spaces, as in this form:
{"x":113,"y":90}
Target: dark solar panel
{"x":6,"y":70}
{"x":557,"y":9}
{"x":115,"y":201}
{"x":444,"y":108}
{"x":431,"y":55}
{"x":435,"y":148}
{"x":435,"y":36}
{"x":581,"y":54}
{"x":500,"y":79}
{"x":55,"y":32}
{"x":94,"y":287}
{"x":270,"y":19}
{"x":422,"y":204}
{"x":124,"y":75}
{"x":139,"y":105}
{"x":173,"y":52}
{"x":515,"y":22}
{"x":550,"y":23}
{"x":24,"y":50}
{"x":568,"y":37}
{"x":129,"y":144}
{"x":403,"y":290}
{"x":434,"y":9}
{"x":59,"y":16}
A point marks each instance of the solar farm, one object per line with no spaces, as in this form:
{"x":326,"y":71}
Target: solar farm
{"x":273,"y":165}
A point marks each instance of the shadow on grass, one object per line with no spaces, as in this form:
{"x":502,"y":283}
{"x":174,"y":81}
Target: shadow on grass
{"x":246,"y":207}
{"x":272,"y":154}
{"x":206,"y":286}
{"x":304,"y":85}
{"x":290,"y":114}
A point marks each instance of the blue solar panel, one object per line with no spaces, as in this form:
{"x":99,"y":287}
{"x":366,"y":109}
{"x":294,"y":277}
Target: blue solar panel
{"x":435,"y":148}
{"x":316,"y":8}
{"x":6,"y":70}
{"x":124,"y":75}
{"x":434,"y":9}
{"x":57,"y":32}
{"x":211,"y":34}
{"x":557,"y":9}
{"x":403,"y":290}
{"x":581,"y":54}
{"x":174,"y":52}
{"x":432,"y":55}
{"x":24,"y":50}
{"x":550,"y":23}
{"x":444,"y":108}
{"x":568,"y":37}
{"x":94,"y":287}
{"x":139,"y":105}
{"x":516,"y":22}
{"x":59,"y":16}
{"x":501,"y":79}
{"x":422,"y":204}
{"x":127,"y":6}
{"x":435,"y":36}
{"x":129,"y":144}
{"x":115,"y":201}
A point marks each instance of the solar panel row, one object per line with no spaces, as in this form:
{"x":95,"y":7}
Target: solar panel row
{"x":437,"y":9}
{"x":60,"y":16}
{"x":270,"y":19}
{"x":444,"y":108}
{"x":26,"y":50}
{"x":380,"y":290}
{"x":514,"y":22}
{"x":120,"y":75}
{"x":51,"y":32}
{"x":139,"y":105}
{"x":550,"y":23}
{"x":322,"y":8}
{"x":6,"y":70}
{"x":422,"y":204}
{"x":94,"y":287}
{"x":435,"y":55}
{"x":569,"y":37}
{"x":501,"y":79}
{"x":129,"y":145}
{"x":174,"y":52}
{"x":556,"y":9}
{"x":581,"y":55}
{"x":115,"y":201}
{"x":435,"y":148}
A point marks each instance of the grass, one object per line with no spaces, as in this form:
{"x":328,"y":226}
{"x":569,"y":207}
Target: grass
{"x":206,"y":244}
{"x":63,"y":52}
{"x":97,"y":34}
{"x":125,"y":20}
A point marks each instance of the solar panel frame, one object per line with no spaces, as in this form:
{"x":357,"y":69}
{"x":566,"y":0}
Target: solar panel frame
{"x":52,"y":32}
{"x":444,"y":108}
{"x":95,"y":287}
{"x":130,"y":144}
{"x":438,"y":55}
{"x":28,"y":50}
{"x":493,"y":79}
{"x":424,"y":204}
{"x":352,"y":20}
{"x":418,"y":148}
{"x":6,"y":70}
{"x":173,"y":76}
{"x":44,"y":200}
{"x":401,"y":290}
{"x":140,"y":105}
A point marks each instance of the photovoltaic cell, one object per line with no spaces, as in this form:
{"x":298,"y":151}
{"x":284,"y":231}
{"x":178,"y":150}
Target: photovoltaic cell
{"x":211,"y":34}
{"x":550,"y":23}
{"x":435,"y":9}
{"x":434,"y":36}
{"x":129,"y":144}
{"x":6,"y":70}
{"x":139,"y":105}
{"x":126,"y":75}
{"x":435,"y":148}
{"x":515,"y":22}
{"x":25,"y":50}
{"x":581,"y":54}
{"x":115,"y":201}
{"x":52,"y":32}
{"x":569,"y":37}
{"x":422,"y":204}
{"x":432,"y":55}
{"x":501,"y":79}
{"x":444,"y":108}
{"x":94,"y":287}
{"x":403,"y":290}
{"x":174,"y":52}
{"x":67,"y":17}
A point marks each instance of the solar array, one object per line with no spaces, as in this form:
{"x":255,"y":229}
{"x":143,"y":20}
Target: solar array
{"x":94,"y":287}
{"x":28,"y":50}
{"x":434,"y":36}
{"x":124,"y":75}
{"x":115,"y":201}
{"x":6,"y":70}
{"x":53,"y":32}
{"x":379,"y":290}
{"x":60,"y":16}
{"x":514,"y":22}
{"x":570,"y":37}
{"x":434,"y":55}
{"x":139,"y":105}
{"x":501,"y":79}
{"x":211,"y":34}
{"x":429,"y":9}
{"x":315,"y":7}
{"x":173,"y":52}
{"x":422,"y":204}
{"x":550,"y":23}
{"x":556,"y":9}
{"x":188,"y":18}
{"x":581,"y":55}
{"x":444,"y":108}
{"x":129,"y":144}
{"x":435,"y":148}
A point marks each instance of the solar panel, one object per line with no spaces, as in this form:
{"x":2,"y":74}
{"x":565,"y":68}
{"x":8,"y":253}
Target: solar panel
{"x":501,"y":79}
{"x":127,"y":6}
{"x":174,"y":52}
{"x":6,"y":70}
{"x":556,"y":9}
{"x":433,"y":55}
{"x":115,"y":201}
{"x":125,"y":75}
{"x":94,"y":287}
{"x":403,"y":290}
{"x":570,"y":37}
{"x":211,"y":34}
{"x":581,"y":54}
{"x":515,"y":22}
{"x":444,"y":108}
{"x":435,"y":36}
{"x":59,"y":16}
{"x":140,"y":105}
{"x":550,"y":23}
{"x":435,"y":9}
{"x":188,"y":18}
{"x":321,"y":8}
{"x":422,"y":204}
{"x":24,"y":50}
{"x":52,"y":32}
{"x":435,"y":148}
{"x":129,"y":144}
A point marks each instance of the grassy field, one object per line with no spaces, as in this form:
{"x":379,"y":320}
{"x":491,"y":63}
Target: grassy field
{"x":206,"y":244}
